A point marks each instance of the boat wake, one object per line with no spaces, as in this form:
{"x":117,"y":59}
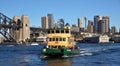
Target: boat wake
{"x":85,"y":53}
{"x":96,"y":50}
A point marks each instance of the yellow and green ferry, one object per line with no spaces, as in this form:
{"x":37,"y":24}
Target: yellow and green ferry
{"x":60,"y":43}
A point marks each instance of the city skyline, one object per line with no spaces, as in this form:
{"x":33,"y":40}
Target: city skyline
{"x":69,"y":10}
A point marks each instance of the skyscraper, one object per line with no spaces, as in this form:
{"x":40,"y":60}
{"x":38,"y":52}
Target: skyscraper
{"x":85,"y":19}
{"x":60,"y":23}
{"x":44,"y":22}
{"x":90,"y":26}
{"x":107,"y":25}
{"x":50,"y":20}
{"x":80,"y":25}
{"x":113,"y":29}
{"x":101,"y":27}
{"x":97,"y":18}
{"x":101,"y":24}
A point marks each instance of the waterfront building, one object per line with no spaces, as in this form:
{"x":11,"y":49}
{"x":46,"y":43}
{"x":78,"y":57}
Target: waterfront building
{"x":113,"y":29}
{"x":97,"y":39}
{"x":50,"y":21}
{"x":104,"y":39}
{"x":44,"y":22}
{"x":90,"y":26}
{"x":115,"y":38}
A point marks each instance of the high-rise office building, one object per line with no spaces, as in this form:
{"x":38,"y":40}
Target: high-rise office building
{"x":90,"y":26}
{"x":50,"y":20}
{"x":60,"y":23}
{"x":101,"y":27}
{"x":97,"y":18}
{"x":114,"y":29}
{"x":107,"y":25}
{"x":80,"y":24}
{"x":85,"y":19}
{"x":101,"y":24}
{"x":25,"y":28}
{"x":44,"y":22}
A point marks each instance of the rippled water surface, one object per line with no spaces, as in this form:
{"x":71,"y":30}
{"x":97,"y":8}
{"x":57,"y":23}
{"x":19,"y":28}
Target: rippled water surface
{"x":90,"y":55}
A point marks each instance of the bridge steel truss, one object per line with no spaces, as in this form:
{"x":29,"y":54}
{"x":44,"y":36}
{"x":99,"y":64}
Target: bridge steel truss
{"x":6,"y":26}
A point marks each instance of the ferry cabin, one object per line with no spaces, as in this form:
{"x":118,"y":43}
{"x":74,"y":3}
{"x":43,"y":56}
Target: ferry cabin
{"x":60,"y":38}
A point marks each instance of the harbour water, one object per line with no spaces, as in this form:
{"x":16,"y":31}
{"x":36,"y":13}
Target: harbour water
{"x":90,"y":55}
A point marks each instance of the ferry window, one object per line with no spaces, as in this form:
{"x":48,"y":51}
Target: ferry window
{"x":53,"y":39}
{"x":56,"y":39}
{"x":60,"y":39}
{"x":48,"y":31}
{"x":50,"y":39}
{"x":67,"y":31}
{"x":62,"y":31}
{"x":64,"y":39}
{"x":52,"y":31}
{"x":57,"y":31}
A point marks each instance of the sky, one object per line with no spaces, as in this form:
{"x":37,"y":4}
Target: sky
{"x":69,"y":10}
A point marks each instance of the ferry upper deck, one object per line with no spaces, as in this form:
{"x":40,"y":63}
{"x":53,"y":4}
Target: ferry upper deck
{"x":59,"y":32}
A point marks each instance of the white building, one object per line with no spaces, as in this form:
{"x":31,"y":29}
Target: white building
{"x":97,"y":39}
{"x":104,"y":39}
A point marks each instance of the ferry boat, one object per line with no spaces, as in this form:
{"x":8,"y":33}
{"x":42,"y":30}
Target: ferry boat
{"x":60,"y":43}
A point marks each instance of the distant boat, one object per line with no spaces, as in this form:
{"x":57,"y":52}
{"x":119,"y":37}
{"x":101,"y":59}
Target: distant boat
{"x":34,"y":44}
{"x":41,"y":39}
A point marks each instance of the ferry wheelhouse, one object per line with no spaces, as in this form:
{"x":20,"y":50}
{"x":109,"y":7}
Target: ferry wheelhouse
{"x":60,"y":43}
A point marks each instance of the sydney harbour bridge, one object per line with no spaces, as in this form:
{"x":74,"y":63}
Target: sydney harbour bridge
{"x":9,"y":28}
{"x":6,"y":26}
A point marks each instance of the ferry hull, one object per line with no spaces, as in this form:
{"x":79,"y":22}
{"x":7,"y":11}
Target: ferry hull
{"x":56,"y":52}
